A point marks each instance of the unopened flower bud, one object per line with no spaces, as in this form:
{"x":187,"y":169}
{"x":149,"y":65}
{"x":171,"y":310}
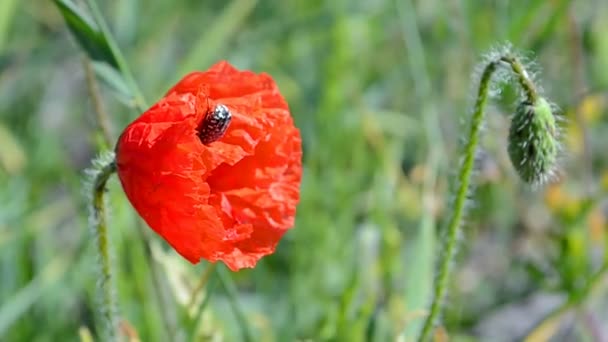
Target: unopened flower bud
{"x":533,"y":141}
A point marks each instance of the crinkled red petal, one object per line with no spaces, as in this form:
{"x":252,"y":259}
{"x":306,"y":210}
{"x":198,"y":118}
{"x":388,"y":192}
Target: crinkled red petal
{"x":231,"y":200}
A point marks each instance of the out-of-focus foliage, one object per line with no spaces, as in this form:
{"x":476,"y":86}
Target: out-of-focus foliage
{"x":379,"y":89}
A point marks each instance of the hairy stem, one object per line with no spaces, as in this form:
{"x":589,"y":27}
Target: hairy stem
{"x":522,"y":76}
{"x":100,"y":229}
{"x":464,"y":179}
{"x":140,"y":105}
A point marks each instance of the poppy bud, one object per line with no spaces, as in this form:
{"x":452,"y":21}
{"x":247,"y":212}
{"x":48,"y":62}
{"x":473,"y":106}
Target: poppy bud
{"x":533,"y":141}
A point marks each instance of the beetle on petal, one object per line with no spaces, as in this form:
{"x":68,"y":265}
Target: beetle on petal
{"x":215,"y":166}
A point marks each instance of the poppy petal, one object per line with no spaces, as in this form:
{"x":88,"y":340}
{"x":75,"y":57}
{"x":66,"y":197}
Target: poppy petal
{"x":231,"y":199}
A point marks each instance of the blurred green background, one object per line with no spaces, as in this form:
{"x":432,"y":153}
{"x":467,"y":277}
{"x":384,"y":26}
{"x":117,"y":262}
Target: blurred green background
{"x":380,"y":90}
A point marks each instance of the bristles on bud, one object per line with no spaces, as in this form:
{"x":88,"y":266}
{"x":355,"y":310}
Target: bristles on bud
{"x":533,"y":141}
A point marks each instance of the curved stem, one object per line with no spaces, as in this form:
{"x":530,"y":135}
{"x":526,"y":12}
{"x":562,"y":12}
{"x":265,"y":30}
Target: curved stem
{"x":100,"y":230}
{"x":140,"y":105}
{"x":464,"y":180}
{"x":522,"y":77}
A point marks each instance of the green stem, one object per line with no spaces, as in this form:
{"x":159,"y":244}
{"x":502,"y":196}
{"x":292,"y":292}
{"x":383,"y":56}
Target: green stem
{"x":100,"y":229}
{"x":522,"y":77}
{"x":141,"y":105}
{"x":464,"y":180}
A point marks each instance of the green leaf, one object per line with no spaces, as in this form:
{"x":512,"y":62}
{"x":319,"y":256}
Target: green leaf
{"x":86,"y":32}
{"x":419,"y":277}
{"x":115,"y":80}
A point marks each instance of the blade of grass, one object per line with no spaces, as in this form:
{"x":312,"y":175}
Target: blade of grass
{"x":23,"y":300}
{"x":420,"y":275}
{"x":200,"y":309}
{"x":231,"y":291}
{"x":12,"y":154}
{"x":216,"y":35}
{"x":164,"y":295}
{"x":548,"y":325}
{"x":39,"y":220}
{"x":202,"y":283}
{"x":141,"y":105}
{"x":86,"y":33}
{"x":7,"y":9}
{"x":102,"y":118}
{"x":121,"y":61}
{"x":113,"y":79}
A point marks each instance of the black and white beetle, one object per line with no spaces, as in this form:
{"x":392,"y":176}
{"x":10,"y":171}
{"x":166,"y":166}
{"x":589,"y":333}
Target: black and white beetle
{"x":214,"y":124}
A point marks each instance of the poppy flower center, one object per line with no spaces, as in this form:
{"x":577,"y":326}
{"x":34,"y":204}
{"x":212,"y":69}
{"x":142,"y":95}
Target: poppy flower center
{"x":214,"y":125}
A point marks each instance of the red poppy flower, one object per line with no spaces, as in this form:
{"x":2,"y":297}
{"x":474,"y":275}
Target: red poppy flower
{"x":211,"y":194}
